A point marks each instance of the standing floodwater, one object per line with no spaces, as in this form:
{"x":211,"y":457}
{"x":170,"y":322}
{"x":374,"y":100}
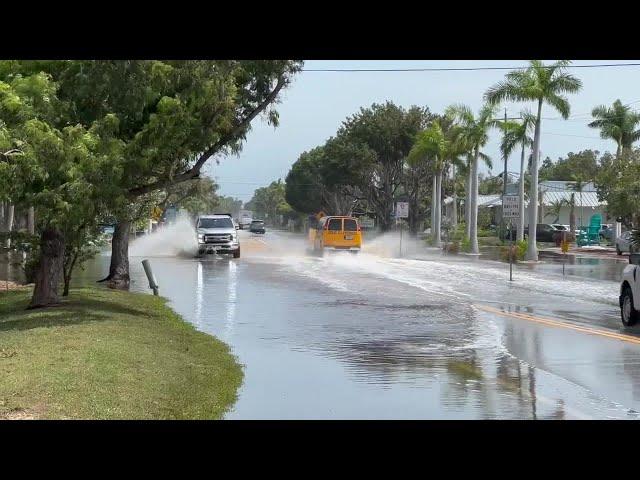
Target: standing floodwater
{"x":375,"y":336}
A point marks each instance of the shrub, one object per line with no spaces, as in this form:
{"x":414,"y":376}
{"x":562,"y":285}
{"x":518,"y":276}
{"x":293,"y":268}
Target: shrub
{"x":453,"y":247}
{"x":465,"y":245}
{"x":519,"y":251}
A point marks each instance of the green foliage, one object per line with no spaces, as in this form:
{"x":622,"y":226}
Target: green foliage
{"x":538,"y":82}
{"x":618,"y":123}
{"x":197,"y":196}
{"x":618,"y":184}
{"x":229,"y":205}
{"x":465,"y":245}
{"x":517,"y":253}
{"x":268,"y":202}
{"x":584,"y":164}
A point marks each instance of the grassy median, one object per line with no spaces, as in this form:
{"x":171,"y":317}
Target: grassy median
{"x":106,"y":354}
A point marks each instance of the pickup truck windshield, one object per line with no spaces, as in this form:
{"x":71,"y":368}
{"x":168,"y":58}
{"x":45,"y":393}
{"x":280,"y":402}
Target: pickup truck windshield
{"x":215,"y":223}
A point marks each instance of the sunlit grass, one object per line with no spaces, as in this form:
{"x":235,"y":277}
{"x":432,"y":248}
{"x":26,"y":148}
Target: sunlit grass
{"x":106,"y":354}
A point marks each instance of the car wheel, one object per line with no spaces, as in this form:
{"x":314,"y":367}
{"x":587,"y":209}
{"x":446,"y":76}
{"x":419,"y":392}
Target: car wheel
{"x":236,"y":254}
{"x":628,"y":314}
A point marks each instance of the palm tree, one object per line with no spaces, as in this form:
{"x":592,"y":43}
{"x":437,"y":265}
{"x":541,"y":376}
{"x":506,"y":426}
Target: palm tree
{"x":473,"y":134}
{"x":431,"y":143}
{"x":515,"y":134}
{"x":578,"y":186}
{"x":554,"y":210}
{"x":543,"y":84}
{"x":617,"y":123}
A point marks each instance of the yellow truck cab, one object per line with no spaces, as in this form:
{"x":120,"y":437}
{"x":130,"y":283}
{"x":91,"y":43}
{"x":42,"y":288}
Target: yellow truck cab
{"x":335,"y":233}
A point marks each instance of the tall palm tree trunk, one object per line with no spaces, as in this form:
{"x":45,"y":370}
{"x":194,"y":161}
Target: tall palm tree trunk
{"x":434,"y":201}
{"x":520,"y":235}
{"x":438,"y":237}
{"x":454,"y":196}
{"x":468,"y":203}
{"x":532,"y":248}
{"x":473,"y":217}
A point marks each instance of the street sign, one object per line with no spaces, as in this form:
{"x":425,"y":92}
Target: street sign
{"x":402,"y":210}
{"x":510,"y":206}
{"x":367,"y":222}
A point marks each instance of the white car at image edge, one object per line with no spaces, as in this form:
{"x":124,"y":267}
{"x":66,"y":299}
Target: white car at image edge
{"x":630,"y":291}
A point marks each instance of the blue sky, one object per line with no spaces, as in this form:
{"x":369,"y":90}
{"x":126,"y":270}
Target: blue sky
{"x":314,"y":106}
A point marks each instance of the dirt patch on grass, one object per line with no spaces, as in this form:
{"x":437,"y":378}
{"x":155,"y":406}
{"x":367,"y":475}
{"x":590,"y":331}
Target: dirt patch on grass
{"x":7,"y":285}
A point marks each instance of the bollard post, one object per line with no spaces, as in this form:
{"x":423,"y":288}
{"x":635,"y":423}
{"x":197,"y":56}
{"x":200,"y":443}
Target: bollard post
{"x":153,"y":284}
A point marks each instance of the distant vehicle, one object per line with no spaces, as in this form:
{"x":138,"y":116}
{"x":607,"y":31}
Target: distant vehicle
{"x":607,"y":232}
{"x":245,"y":217}
{"x":630,"y":292}
{"x":257,"y":226}
{"x":545,"y":232}
{"x":623,"y":243}
{"x":335,"y":233}
{"x":217,"y":234}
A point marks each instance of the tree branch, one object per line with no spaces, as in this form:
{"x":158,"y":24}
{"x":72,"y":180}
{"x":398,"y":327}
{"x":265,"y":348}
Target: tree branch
{"x":194,"y":171}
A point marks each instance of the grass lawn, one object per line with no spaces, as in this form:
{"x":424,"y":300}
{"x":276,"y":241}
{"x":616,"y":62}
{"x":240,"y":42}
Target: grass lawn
{"x":106,"y":354}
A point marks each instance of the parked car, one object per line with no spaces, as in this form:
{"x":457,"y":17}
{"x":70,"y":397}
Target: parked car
{"x":630,"y":292}
{"x":623,"y":243}
{"x":545,"y":232}
{"x":257,"y":226}
{"x":607,"y":232}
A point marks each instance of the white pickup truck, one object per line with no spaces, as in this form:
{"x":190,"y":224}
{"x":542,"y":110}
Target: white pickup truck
{"x":630,"y":291}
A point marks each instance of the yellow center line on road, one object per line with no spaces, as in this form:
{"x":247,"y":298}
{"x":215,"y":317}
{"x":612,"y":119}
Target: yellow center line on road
{"x":556,"y":323}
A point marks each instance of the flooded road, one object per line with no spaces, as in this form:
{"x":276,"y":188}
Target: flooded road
{"x":426,"y":336}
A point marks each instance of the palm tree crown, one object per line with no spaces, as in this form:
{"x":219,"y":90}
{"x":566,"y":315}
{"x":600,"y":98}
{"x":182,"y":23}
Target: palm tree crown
{"x":539,"y":82}
{"x":617,"y":123}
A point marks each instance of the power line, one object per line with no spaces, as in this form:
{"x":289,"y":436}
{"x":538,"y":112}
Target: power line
{"x":461,"y":69}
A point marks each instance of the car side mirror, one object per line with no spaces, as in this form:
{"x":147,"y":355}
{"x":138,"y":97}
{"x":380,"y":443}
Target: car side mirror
{"x":634,"y":258}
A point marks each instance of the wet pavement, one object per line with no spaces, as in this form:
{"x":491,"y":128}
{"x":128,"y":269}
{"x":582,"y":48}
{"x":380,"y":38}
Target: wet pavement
{"x":373,"y":336}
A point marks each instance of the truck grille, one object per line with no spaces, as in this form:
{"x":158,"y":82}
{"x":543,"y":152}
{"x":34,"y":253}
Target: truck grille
{"x":217,"y":238}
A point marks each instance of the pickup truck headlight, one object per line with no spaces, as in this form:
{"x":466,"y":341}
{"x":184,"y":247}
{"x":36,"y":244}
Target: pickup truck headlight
{"x":200,"y":237}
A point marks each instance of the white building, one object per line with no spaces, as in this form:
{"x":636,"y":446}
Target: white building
{"x":552,"y":193}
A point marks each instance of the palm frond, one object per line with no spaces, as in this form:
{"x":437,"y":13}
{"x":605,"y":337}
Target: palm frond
{"x":560,"y":103}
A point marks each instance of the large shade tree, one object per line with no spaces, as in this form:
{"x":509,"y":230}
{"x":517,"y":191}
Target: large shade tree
{"x":166,"y":119}
{"x":541,"y":84}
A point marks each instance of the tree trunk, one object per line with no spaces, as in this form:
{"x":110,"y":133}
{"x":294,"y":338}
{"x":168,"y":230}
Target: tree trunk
{"x":119,"y":269}
{"x":467,"y":203}
{"x":68,"y":270}
{"x":31,"y":220}
{"x":49,"y":271}
{"x":10,"y":215}
{"x":454,"y":196}
{"x":434,"y":203}
{"x":520,"y":233}
{"x":438,"y":236}
{"x":473,"y":215}
{"x":532,"y":249}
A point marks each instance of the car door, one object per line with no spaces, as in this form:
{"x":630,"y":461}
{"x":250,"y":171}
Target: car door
{"x":334,"y":234}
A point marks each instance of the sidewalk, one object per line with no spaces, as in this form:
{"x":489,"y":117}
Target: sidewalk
{"x":593,"y":251}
